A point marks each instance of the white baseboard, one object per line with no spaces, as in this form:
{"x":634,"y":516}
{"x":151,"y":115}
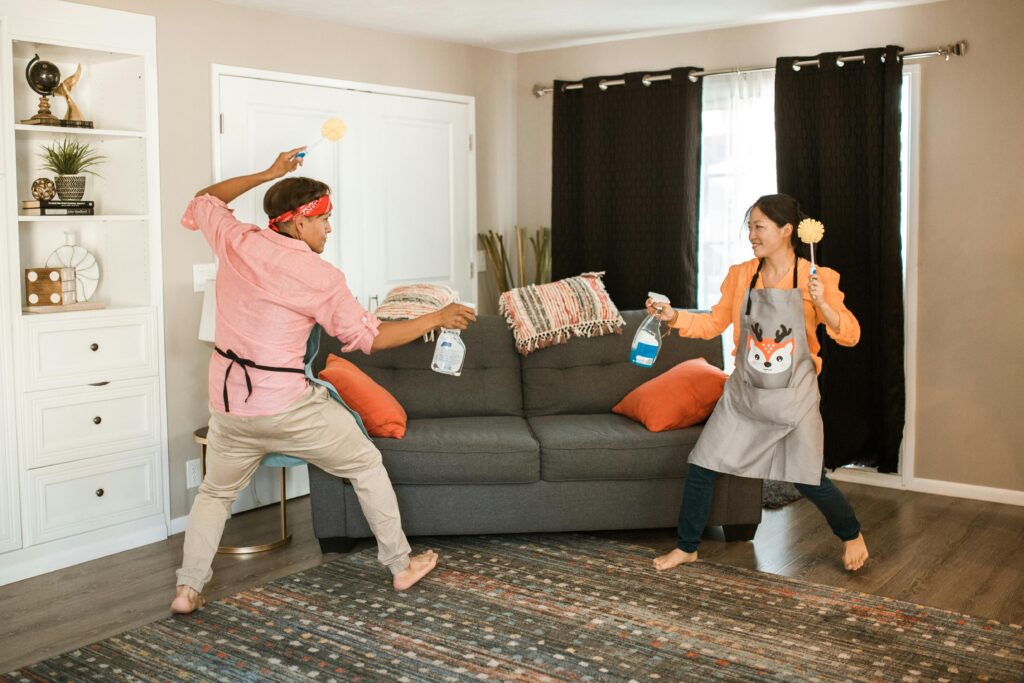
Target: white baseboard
{"x":47,"y":557}
{"x":178,"y":525}
{"x":957,"y":490}
{"x":934,"y":486}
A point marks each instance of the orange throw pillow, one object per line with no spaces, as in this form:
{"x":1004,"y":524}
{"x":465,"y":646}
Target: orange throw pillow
{"x":382,"y":414}
{"x":681,"y":397}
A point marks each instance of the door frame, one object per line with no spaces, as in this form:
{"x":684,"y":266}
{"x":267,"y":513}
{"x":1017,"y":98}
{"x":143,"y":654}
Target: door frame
{"x":218,"y":70}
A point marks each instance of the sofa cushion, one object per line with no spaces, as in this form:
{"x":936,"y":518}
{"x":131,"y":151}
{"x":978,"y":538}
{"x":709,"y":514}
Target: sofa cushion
{"x":680,"y":397}
{"x":463,"y":450}
{"x":596,"y":447}
{"x":490,"y":383}
{"x":589,"y":376}
{"x":382,"y":415}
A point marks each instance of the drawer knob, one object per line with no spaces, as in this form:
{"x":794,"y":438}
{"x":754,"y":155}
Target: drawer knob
{"x":99,"y":493}
{"x":96,"y":420}
{"x":94,"y":346}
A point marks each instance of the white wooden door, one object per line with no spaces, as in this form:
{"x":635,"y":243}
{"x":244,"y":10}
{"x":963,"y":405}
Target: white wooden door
{"x":420,"y":203}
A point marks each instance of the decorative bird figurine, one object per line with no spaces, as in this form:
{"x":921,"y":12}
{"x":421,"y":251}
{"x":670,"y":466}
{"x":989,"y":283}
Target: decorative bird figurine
{"x":64,"y":90}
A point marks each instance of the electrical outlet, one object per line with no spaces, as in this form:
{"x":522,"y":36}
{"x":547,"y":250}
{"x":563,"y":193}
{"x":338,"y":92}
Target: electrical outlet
{"x":193,"y":473}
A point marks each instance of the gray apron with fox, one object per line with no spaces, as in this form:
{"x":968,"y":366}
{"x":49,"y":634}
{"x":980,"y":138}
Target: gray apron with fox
{"x":767,"y":424}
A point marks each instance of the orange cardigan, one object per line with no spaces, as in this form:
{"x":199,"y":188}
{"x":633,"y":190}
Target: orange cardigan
{"x":727,"y":311}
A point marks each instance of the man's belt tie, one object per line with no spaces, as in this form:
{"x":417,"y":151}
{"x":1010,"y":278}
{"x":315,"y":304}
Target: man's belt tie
{"x":246,"y":364}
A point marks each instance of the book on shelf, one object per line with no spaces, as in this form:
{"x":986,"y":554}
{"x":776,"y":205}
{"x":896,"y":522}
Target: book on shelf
{"x":56,"y":204}
{"x":59,"y":211}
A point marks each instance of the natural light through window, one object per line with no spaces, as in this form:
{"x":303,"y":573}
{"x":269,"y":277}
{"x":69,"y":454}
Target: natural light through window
{"x":737,"y":167}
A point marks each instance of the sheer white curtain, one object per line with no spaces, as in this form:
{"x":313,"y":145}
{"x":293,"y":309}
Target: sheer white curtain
{"x":737,"y":167}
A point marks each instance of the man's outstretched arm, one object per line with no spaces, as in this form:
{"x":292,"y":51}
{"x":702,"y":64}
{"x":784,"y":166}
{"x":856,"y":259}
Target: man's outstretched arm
{"x":232,"y":188}
{"x":396,"y":333}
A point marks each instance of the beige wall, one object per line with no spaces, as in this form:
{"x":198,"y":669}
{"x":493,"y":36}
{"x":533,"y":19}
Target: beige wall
{"x":192,"y":35}
{"x":970,"y":312}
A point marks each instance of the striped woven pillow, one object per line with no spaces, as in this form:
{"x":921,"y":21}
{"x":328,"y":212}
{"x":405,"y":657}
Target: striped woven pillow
{"x":412,"y":301}
{"x":545,"y":315}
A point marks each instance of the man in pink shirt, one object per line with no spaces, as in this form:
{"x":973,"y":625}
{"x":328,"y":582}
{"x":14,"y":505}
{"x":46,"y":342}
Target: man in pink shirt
{"x":272,"y":288}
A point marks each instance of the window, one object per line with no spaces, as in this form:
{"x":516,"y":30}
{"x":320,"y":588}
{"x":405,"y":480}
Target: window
{"x":737,"y":167}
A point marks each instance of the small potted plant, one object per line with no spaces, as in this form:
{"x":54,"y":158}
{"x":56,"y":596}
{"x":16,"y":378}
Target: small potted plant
{"x":68,"y":160}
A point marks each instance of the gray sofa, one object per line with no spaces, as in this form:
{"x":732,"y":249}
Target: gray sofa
{"x":527,"y":444}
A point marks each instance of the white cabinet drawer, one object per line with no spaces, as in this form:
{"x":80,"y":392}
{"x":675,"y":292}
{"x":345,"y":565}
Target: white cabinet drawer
{"x":96,"y":348}
{"x":71,"y":499}
{"x":65,"y":425}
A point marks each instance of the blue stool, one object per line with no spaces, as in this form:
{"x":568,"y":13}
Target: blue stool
{"x":269,"y":460}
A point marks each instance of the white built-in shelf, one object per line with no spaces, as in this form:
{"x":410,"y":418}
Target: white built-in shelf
{"x":83,"y":219}
{"x":27,"y":129}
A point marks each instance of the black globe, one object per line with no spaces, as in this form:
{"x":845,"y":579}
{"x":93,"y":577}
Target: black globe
{"x":43,"y":77}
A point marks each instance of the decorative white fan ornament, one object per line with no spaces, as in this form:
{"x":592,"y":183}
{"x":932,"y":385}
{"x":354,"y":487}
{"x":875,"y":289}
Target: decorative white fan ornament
{"x":87,"y":269}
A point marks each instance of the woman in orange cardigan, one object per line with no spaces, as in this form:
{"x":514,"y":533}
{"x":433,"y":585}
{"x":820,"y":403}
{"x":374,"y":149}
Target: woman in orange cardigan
{"x":767,"y":424}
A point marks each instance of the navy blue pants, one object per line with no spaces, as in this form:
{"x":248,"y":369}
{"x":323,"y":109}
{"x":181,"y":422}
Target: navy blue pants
{"x":700,"y":484}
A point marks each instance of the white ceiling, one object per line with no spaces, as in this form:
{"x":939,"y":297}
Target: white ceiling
{"x":528,"y":25}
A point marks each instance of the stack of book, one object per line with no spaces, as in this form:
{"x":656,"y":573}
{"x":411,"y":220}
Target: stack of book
{"x":54,"y":207}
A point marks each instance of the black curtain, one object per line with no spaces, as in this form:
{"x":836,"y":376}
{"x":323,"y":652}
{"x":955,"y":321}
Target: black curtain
{"x":838,"y":152}
{"x":625,"y":184}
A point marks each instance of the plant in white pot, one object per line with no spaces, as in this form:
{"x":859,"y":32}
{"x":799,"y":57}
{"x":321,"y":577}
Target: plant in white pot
{"x":68,"y":160}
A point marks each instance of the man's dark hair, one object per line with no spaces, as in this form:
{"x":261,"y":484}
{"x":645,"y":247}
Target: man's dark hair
{"x":291,"y":193}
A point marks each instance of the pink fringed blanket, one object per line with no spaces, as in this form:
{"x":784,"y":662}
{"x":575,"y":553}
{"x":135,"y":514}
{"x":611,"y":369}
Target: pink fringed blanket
{"x":545,"y":315}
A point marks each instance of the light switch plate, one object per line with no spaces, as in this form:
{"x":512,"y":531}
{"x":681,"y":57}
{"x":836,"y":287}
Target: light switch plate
{"x":201,"y":272}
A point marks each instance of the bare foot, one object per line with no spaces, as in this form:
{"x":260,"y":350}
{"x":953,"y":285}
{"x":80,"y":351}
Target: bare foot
{"x":186,"y":600}
{"x":674,"y":559}
{"x":855,"y":553}
{"x":419,"y":566}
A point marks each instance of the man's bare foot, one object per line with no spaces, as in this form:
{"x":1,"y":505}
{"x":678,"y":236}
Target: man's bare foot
{"x":855,"y":553}
{"x":186,"y":600}
{"x":674,"y":559}
{"x":419,"y":566}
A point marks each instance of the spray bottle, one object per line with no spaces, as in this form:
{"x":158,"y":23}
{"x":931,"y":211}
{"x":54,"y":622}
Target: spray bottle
{"x":647,"y":340}
{"x":450,"y":351}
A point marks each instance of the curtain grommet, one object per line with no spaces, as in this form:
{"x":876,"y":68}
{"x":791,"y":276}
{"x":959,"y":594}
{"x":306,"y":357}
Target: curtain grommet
{"x":693,"y":79}
{"x":840,"y":63}
{"x":646,"y":80}
{"x":796,"y":67}
{"x":603,"y":85}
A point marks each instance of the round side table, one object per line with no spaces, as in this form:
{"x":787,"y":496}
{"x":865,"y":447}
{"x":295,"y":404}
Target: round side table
{"x":199,"y":436}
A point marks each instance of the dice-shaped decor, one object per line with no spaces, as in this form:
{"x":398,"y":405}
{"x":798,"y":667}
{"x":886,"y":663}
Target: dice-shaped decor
{"x":50,"y":286}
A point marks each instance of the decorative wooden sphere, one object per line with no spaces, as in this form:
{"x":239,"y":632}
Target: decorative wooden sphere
{"x":43,"y":189}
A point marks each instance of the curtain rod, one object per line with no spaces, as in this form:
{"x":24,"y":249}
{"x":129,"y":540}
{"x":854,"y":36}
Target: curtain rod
{"x":957,"y":49}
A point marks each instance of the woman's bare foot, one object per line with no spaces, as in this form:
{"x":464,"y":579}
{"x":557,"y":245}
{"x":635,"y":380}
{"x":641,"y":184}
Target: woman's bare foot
{"x":674,"y":559}
{"x":855,"y":553}
{"x":419,"y":566}
{"x":186,"y":600}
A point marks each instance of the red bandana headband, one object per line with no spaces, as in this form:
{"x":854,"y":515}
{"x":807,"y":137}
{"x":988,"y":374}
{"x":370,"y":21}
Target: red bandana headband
{"x":317,"y":207}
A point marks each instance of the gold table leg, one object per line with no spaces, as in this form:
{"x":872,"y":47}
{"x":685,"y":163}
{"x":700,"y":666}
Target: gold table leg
{"x":200,"y":437}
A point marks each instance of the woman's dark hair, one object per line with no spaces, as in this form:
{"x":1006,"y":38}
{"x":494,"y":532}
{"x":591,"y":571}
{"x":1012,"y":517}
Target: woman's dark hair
{"x":782,"y":209}
{"x":291,"y":193}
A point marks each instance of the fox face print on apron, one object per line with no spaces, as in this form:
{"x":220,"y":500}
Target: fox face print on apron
{"x":767,"y":424}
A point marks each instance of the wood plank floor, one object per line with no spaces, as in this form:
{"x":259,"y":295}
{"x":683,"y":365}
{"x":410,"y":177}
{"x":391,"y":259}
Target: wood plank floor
{"x":956,"y":554}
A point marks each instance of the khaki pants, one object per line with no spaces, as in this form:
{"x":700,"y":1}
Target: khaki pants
{"x":316,"y":429}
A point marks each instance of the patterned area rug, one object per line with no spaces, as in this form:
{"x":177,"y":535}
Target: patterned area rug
{"x":549,"y":608}
{"x":778,"y":494}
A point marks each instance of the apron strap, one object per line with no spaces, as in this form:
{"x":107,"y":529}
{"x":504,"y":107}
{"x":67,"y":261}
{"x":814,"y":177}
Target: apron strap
{"x":757,"y":273}
{"x":246,"y":364}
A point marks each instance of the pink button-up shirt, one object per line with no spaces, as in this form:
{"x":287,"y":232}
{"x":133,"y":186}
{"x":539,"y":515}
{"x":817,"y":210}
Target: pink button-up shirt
{"x":271,"y":289}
